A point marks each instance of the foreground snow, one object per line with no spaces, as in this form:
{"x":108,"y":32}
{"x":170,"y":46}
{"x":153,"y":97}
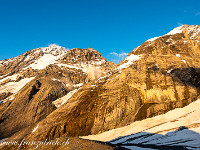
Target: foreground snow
{"x":179,"y":127}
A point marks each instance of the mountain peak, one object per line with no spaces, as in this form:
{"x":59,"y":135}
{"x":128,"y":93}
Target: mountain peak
{"x":54,"y":49}
{"x":191,"y":29}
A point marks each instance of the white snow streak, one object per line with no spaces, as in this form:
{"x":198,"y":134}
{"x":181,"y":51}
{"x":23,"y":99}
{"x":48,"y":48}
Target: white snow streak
{"x":44,"y":61}
{"x":130,"y":59}
{"x":64,"y":99}
{"x":14,"y":87}
{"x":176,"y":30}
{"x":13,"y":77}
{"x":35,"y":128}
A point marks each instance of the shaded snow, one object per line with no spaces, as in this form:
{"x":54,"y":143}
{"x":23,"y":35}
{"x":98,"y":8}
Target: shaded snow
{"x":137,"y":148}
{"x":160,"y":130}
{"x":195,"y":30}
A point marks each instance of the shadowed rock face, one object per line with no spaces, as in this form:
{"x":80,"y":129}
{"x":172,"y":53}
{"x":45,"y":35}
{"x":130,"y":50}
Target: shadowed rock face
{"x":32,"y":104}
{"x":166,"y":76}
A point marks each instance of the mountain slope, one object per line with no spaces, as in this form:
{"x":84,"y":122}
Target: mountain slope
{"x":160,"y":75}
{"x":39,"y":81}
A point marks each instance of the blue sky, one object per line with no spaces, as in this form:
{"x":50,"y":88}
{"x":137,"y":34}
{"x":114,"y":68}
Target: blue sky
{"x":113,"y":27}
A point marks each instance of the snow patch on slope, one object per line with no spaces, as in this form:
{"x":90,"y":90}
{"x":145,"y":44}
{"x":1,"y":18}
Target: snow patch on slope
{"x":78,"y":85}
{"x":28,"y":57}
{"x":14,"y":87}
{"x":176,"y":30}
{"x":130,"y":59}
{"x":64,"y":99}
{"x":35,"y":128}
{"x":160,"y":130}
{"x":183,"y":61}
{"x":44,"y":61}
{"x":54,"y":79}
{"x":152,"y":39}
{"x":12,"y":77}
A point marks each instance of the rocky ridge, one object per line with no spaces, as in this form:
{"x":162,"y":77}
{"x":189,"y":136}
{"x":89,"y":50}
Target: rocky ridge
{"x":39,"y":81}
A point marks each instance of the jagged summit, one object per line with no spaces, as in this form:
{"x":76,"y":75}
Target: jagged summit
{"x":54,"y":49}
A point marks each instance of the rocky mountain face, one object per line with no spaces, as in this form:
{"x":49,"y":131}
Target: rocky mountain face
{"x":160,"y":75}
{"x":39,"y":81}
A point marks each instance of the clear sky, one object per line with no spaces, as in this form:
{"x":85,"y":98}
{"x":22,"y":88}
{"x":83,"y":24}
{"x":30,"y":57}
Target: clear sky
{"x":109,"y":26}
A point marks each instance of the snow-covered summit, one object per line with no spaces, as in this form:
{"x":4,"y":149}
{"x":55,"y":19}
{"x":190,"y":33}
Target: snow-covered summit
{"x":54,"y":49}
{"x":194,"y":30}
{"x":50,"y":55}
